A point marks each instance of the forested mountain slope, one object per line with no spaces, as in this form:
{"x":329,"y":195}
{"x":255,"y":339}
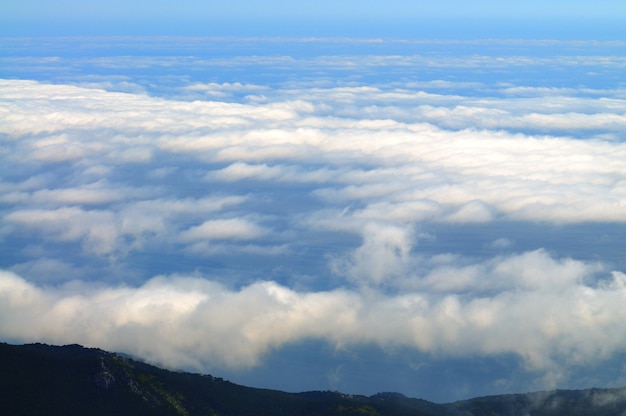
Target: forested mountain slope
{"x":38,"y":379}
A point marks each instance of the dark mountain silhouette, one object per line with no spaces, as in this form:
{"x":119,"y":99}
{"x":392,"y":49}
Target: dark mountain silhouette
{"x":38,"y":379}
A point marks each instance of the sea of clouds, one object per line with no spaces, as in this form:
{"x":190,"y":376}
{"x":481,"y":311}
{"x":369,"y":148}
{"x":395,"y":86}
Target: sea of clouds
{"x":203,"y":223}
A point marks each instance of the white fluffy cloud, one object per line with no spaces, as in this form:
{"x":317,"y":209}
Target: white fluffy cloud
{"x":532,"y":305}
{"x":233,"y":228}
{"x":95,"y":229}
{"x":384,"y":255}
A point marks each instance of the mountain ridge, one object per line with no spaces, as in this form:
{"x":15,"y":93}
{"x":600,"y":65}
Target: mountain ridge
{"x":73,"y":380}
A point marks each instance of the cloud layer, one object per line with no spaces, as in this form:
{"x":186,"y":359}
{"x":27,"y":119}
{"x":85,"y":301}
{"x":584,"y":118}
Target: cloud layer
{"x":226,"y":221}
{"x":528,"y":304}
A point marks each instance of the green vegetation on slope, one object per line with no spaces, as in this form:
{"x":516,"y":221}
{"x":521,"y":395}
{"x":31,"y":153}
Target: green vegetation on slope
{"x":38,"y":379}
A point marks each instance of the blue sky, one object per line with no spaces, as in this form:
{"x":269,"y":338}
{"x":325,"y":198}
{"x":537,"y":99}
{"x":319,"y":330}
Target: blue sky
{"x":397,"y":18}
{"x":430,"y":212}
